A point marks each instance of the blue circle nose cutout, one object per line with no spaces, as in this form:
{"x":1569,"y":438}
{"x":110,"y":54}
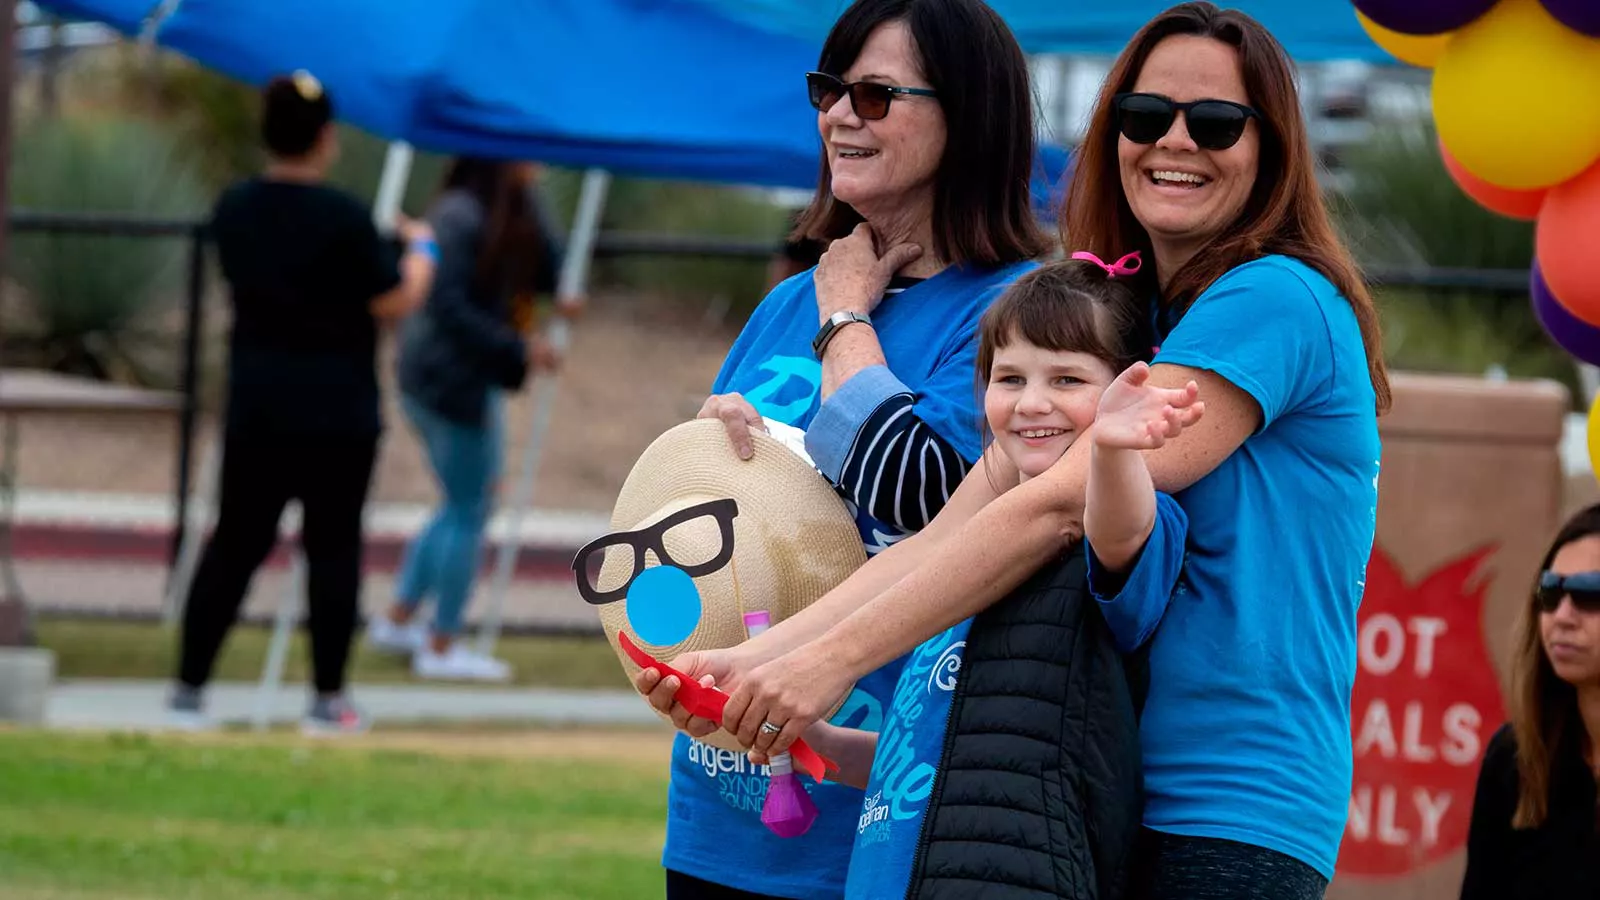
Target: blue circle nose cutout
{"x":663,"y":606}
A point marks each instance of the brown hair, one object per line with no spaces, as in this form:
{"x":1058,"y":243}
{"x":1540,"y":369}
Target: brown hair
{"x":981,"y":203}
{"x":513,"y":249}
{"x":1066,"y":306}
{"x":1285,"y":213}
{"x":1544,"y":709}
{"x":1069,"y":306}
{"x":294,"y":110}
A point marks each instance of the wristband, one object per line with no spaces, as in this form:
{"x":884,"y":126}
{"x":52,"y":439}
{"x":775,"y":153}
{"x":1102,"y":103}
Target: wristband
{"x":429,"y":247}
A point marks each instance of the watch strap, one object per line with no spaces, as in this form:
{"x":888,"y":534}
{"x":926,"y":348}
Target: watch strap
{"x":831,"y":327}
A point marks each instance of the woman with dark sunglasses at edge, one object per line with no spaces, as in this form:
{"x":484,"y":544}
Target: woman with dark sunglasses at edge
{"x":1535,"y":829}
{"x":1245,"y":730}
{"x":925,"y":117}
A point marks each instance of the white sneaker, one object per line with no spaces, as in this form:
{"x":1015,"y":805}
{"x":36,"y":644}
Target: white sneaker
{"x":458,"y":664}
{"x":384,"y":635}
{"x":186,"y":711}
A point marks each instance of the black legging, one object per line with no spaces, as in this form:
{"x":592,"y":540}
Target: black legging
{"x":330,"y":478}
{"x":687,"y":887}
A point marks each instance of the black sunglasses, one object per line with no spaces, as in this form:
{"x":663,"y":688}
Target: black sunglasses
{"x":654,"y":537}
{"x":1582,"y":587}
{"x":1213,"y":124}
{"x":869,"y":99}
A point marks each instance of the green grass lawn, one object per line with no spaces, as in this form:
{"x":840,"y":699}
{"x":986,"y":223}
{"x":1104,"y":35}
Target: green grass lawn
{"x":96,"y":817}
{"x":113,"y":649}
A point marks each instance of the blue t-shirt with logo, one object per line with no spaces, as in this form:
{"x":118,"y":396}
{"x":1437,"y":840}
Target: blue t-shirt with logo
{"x":904,"y":766}
{"x":1246,"y":728}
{"x":928,"y":334}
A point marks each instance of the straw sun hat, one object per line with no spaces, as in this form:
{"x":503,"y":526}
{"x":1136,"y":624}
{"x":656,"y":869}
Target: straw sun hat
{"x":699,"y":537}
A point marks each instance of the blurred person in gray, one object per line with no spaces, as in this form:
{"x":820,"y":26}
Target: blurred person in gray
{"x":311,"y":284}
{"x":467,"y":347}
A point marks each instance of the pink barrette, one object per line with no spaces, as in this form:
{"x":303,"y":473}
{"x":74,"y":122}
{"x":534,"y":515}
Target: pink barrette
{"x":1120,"y":267}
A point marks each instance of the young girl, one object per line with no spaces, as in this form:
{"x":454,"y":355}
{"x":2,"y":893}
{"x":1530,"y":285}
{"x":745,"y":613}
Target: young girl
{"x":1041,"y":723}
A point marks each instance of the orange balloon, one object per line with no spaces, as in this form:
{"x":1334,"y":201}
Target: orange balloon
{"x":1565,"y":242}
{"x":1505,"y":201}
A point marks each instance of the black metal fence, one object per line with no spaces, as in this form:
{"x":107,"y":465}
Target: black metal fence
{"x":607,"y":245}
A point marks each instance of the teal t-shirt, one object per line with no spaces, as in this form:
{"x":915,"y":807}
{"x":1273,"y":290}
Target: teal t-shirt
{"x":1246,"y":729}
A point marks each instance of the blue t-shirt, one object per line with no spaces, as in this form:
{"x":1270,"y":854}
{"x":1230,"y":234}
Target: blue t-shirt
{"x":928,"y":333}
{"x":1134,"y":602}
{"x":1246,"y":729}
{"x":904,"y":768}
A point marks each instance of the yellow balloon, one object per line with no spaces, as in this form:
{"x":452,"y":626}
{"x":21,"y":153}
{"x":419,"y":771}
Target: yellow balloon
{"x":1594,"y":437}
{"x":1516,"y":97}
{"x":1422,"y":51}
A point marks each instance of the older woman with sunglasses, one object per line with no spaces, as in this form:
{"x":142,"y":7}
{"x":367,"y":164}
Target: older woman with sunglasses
{"x":1534,"y":829}
{"x":1197,"y":155}
{"x":925,"y":116}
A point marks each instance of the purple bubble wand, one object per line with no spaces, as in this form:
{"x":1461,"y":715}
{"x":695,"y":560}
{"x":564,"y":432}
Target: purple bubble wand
{"x":788,"y":810}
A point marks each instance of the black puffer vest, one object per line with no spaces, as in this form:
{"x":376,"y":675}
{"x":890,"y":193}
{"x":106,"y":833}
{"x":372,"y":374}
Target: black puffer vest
{"x":1038,"y":793}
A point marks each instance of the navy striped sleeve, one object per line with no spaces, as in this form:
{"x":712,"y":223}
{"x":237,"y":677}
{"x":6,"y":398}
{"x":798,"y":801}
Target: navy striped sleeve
{"x":898,"y":469}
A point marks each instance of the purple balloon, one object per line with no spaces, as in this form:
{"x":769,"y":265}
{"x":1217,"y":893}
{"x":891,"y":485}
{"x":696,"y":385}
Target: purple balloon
{"x":1582,"y":16}
{"x":1431,"y":16}
{"x":1573,"y":334}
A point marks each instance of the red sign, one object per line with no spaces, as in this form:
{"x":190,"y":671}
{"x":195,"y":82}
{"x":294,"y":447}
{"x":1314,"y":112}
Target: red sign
{"x":1426,"y":701}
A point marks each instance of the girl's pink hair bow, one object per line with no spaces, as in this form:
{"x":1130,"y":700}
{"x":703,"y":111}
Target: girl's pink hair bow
{"x":1127,"y":265}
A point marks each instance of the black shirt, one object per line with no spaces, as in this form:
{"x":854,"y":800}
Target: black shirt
{"x":304,"y":263}
{"x":1559,"y":860}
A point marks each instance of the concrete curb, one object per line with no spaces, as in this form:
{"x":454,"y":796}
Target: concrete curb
{"x":140,"y":705}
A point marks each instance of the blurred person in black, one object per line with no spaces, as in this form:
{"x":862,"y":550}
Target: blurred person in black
{"x":312,"y":282}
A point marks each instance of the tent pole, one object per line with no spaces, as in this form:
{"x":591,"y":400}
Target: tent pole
{"x":392,"y":186}
{"x":569,"y":293}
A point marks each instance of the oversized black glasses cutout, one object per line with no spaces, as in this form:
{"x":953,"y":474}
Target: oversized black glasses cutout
{"x":586,"y":565}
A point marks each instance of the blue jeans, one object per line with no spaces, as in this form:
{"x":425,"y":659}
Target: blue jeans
{"x":443,"y":559}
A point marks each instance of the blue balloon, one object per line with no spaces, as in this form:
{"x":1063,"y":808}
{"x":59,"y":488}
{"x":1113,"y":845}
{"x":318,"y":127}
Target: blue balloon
{"x":1571,"y":333}
{"x":1582,"y":16}
{"x":1425,"y":16}
{"x":663,"y":606}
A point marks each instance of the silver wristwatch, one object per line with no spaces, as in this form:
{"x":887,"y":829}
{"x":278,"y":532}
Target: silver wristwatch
{"x":831,"y":327}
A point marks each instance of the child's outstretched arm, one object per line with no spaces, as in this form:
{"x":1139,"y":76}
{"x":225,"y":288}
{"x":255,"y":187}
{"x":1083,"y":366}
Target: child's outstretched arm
{"x":1135,"y":536}
{"x":1120,"y":507}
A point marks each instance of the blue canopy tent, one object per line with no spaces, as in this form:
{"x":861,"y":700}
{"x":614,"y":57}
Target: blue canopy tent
{"x":125,"y":16}
{"x":623,"y":85}
{"x":1311,"y":30}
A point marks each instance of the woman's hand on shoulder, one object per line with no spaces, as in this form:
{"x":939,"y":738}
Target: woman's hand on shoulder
{"x":738,"y":417}
{"x":852,"y":277}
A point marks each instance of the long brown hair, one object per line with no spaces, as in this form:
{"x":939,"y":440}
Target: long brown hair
{"x":1544,"y":709}
{"x":982,"y":210}
{"x":511,"y":250}
{"x":1285,"y":213}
